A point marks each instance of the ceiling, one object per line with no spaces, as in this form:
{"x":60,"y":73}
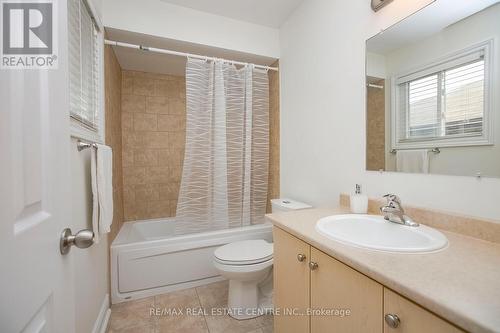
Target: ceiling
{"x":144,"y":61}
{"x":270,"y":13}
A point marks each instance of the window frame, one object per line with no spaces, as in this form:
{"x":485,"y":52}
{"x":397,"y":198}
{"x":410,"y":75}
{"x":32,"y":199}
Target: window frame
{"x":78,"y":129}
{"x":486,"y":47}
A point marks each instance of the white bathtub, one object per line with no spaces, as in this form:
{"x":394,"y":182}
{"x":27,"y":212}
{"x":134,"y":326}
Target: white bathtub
{"x":146,"y":259}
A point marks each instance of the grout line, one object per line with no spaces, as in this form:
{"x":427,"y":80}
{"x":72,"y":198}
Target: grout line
{"x":199,"y":302}
{"x":156,"y":326}
{"x":260,"y":326}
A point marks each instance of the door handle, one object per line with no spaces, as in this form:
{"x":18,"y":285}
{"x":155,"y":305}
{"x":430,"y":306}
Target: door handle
{"x":301,"y":257}
{"x":83,"y":239}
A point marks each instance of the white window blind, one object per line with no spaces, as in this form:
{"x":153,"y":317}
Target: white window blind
{"x":444,"y":101}
{"x":84,"y":55}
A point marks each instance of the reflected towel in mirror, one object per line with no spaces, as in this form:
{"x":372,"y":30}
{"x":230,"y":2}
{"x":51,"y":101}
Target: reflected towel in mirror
{"x":413,"y":161}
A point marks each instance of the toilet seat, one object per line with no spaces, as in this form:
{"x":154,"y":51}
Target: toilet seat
{"x":248,"y":252}
{"x":248,"y":270}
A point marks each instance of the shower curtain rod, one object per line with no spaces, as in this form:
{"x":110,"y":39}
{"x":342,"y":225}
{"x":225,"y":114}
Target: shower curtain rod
{"x":371,"y":85}
{"x":180,"y":54}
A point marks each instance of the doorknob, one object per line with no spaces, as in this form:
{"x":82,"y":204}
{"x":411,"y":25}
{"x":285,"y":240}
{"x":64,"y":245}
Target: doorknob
{"x":83,"y":239}
{"x":301,"y":257}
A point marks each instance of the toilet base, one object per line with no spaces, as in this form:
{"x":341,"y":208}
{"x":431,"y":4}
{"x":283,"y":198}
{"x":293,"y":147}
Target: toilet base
{"x":243,"y":299}
{"x":250,"y":299}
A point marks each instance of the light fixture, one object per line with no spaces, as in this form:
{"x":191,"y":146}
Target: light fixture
{"x":379,"y":4}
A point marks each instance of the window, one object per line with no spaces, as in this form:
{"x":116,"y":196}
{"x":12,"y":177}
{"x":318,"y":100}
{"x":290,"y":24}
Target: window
{"x":445,"y":104}
{"x":85,"y":71}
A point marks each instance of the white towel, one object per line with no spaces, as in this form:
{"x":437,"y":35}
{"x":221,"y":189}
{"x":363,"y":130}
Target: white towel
{"x":413,"y":161}
{"x":102,"y":190}
{"x":95,"y":195}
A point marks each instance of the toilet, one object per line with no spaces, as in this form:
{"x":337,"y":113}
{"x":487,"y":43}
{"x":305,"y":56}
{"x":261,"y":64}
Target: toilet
{"x":248,"y":265}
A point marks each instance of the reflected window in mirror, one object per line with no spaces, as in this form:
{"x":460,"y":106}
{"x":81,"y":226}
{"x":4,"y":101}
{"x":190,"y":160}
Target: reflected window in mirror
{"x":433,"y":92}
{"x":443,"y":104}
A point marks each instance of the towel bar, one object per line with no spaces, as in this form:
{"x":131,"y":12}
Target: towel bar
{"x":435,"y":151}
{"x":84,"y":145}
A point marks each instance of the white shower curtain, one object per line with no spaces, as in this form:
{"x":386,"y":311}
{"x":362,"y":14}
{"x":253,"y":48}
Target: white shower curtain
{"x":225,"y":172}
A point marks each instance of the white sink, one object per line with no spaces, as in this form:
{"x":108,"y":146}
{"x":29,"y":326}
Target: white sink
{"x":375,"y":233}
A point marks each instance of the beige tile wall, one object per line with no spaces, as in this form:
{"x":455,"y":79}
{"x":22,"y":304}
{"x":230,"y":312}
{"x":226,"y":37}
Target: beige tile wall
{"x":153,"y":129}
{"x":113,"y":79}
{"x":375,"y":127}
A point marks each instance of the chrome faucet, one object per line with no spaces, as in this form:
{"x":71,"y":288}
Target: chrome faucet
{"x":394,"y":212}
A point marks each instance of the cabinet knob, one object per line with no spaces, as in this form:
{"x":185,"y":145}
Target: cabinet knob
{"x":313,"y":265}
{"x":301,"y":257}
{"x":392,"y":320}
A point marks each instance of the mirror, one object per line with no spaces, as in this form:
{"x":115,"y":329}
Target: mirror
{"x":433,"y":92}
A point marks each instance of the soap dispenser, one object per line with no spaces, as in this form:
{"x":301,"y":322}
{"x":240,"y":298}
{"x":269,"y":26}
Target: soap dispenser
{"x":359,"y":202}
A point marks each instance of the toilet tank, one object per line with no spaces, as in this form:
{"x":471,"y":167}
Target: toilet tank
{"x":285,"y":205}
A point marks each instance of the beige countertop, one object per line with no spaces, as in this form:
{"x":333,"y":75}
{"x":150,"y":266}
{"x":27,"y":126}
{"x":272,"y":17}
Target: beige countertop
{"x":460,"y":283}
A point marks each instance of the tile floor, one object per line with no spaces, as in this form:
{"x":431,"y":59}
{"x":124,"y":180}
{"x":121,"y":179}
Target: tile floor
{"x":135,"y":317}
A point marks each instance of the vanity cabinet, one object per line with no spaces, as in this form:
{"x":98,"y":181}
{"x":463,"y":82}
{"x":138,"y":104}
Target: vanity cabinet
{"x":291,"y":283}
{"x":413,"y":318}
{"x":306,"y":278}
{"x":308,"y":281}
{"x":337,"y":287}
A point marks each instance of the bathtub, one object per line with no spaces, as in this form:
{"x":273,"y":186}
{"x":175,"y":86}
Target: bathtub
{"x":146,"y":259}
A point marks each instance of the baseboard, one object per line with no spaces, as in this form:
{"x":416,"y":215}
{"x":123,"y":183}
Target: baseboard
{"x":101,"y":323}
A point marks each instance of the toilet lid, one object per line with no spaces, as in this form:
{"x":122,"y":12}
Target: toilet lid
{"x":245,"y":252}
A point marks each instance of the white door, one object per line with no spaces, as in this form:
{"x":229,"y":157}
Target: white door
{"x":36,"y":281}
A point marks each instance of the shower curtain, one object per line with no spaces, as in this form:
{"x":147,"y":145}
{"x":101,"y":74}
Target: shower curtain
{"x":225,"y":172}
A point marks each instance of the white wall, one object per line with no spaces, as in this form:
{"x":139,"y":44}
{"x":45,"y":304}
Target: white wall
{"x":157,"y":18}
{"x":375,"y":65}
{"x":322,"y":69}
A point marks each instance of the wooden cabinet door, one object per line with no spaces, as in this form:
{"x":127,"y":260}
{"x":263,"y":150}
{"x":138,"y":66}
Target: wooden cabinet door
{"x":338,"y":288}
{"x":291,"y":283}
{"x":412,"y":318}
